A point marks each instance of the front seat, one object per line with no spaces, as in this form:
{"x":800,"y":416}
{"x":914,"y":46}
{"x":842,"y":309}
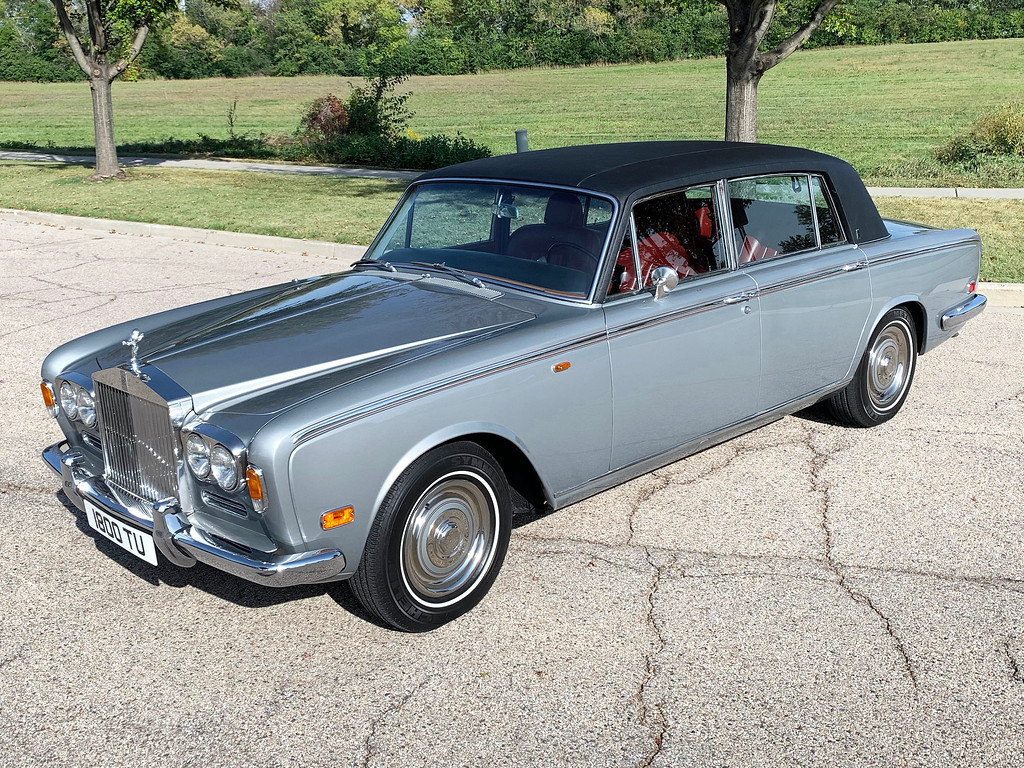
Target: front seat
{"x":562,"y":239}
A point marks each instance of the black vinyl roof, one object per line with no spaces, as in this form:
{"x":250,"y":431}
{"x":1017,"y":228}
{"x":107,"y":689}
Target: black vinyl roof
{"x":630,"y":170}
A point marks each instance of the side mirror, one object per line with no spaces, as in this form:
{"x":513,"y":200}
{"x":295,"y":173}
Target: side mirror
{"x":664,"y":279}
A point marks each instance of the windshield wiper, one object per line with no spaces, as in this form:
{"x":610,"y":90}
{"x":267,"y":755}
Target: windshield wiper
{"x":454,"y":272}
{"x":386,"y":266}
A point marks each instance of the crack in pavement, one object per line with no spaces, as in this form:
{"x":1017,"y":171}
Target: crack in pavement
{"x":1015,"y":668}
{"x":818,"y":460}
{"x":8,"y":487}
{"x":1016,"y":397}
{"x":651,"y":715}
{"x":377,"y":722}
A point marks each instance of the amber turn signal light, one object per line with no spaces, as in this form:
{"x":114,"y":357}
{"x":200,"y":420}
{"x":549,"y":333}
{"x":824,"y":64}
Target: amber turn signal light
{"x":47,"y":394}
{"x":337,"y":517}
{"x":559,"y":367}
{"x":252,"y":479}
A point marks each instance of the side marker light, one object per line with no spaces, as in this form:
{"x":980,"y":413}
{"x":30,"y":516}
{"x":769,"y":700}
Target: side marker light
{"x":337,"y":517}
{"x":47,"y":394}
{"x":559,"y":367}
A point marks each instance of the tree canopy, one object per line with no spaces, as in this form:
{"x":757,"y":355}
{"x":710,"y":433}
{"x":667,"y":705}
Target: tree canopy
{"x":232,"y":38}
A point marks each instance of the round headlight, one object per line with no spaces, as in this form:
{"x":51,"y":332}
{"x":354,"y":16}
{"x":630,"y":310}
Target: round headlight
{"x":69,"y":400}
{"x":86,"y":408}
{"x":222,"y":465}
{"x":197,"y":454}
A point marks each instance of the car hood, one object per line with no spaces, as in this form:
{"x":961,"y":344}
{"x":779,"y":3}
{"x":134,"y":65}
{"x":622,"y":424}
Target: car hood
{"x":333,"y":328}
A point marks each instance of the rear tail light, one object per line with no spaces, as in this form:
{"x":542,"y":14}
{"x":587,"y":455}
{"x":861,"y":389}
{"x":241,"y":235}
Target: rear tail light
{"x":972,"y":286}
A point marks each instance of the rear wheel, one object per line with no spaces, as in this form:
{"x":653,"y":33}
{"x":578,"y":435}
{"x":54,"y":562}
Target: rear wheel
{"x":883,"y":378}
{"x":438,"y":541}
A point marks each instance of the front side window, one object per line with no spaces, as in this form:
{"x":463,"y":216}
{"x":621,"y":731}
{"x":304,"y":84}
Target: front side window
{"x":536,"y":237}
{"x":678,"y":230}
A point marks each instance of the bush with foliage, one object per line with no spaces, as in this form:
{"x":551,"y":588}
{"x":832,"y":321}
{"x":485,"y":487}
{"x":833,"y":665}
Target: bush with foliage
{"x":997,"y":133}
{"x":370,"y":128}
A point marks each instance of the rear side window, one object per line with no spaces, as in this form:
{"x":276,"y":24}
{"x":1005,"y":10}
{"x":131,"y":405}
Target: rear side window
{"x":776,"y":215}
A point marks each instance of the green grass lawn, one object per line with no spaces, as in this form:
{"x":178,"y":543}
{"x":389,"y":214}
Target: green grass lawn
{"x":883,"y":108}
{"x":313,"y":207}
{"x":998,"y":222}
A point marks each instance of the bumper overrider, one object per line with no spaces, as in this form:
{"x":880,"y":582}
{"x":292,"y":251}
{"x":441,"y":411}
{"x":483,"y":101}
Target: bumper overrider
{"x":182,"y":543}
{"x":954,"y":317}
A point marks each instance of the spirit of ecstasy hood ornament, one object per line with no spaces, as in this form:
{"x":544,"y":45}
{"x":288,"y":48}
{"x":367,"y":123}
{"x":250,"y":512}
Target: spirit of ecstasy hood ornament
{"x":133,"y":342}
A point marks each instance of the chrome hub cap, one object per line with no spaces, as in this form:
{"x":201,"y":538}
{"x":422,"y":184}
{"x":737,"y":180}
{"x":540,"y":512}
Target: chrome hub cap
{"x":889,"y":366}
{"x":450,"y":538}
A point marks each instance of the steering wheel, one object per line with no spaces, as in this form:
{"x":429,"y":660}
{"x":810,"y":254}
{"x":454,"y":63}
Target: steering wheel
{"x":573,"y":246}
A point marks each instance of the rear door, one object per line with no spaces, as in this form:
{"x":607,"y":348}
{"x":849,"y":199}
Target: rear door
{"x":814,"y":290}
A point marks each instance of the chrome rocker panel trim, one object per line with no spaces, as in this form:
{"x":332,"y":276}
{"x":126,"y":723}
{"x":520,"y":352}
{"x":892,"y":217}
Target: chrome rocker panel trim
{"x":961,"y":313}
{"x":183,"y":544}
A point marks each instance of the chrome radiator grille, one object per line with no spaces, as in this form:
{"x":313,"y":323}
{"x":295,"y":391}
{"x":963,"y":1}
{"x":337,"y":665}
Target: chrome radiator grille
{"x":138,"y":438}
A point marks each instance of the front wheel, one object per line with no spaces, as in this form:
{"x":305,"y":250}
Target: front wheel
{"x":438,"y":541}
{"x":883,"y":378}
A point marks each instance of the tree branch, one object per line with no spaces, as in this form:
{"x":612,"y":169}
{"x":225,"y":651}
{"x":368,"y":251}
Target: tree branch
{"x":97,"y":32}
{"x":798,"y":38}
{"x":69,"y":32}
{"x":743,"y":30}
{"x":133,"y":53}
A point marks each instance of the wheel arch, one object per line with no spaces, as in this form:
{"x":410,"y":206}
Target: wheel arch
{"x":913,"y":305}
{"x":527,"y":485}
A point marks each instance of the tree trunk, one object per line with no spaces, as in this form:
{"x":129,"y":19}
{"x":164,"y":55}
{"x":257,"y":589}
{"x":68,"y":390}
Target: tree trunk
{"x":103,"y":123}
{"x":741,"y":104}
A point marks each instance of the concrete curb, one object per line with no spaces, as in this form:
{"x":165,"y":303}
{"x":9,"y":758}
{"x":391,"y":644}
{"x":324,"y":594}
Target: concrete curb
{"x":998,"y":294}
{"x":340,"y":251}
{"x":960,"y":192}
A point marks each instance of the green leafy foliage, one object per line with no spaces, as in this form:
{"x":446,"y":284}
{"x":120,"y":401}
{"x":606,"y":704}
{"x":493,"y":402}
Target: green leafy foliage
{"x":370,"y":128}
{"x":999,"y":133}
{"x":366,"y":38}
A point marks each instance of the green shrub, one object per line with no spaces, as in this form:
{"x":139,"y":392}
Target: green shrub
{"x":997,"y":133}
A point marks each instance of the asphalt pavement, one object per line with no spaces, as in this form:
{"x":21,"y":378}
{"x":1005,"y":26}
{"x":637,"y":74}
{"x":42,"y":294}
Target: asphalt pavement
{"x":803,"y":595}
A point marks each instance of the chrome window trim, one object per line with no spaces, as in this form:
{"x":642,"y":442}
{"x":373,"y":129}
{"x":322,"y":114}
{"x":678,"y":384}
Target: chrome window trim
{"x":732,"y":256}
{"x":324,"y":426}
{"x":590,"y":298}
{"x":814,"y":212}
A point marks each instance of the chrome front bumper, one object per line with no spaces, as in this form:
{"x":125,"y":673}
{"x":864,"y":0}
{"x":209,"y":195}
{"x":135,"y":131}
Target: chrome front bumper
{"x":182,"y":543}
{"x":956,"y":316}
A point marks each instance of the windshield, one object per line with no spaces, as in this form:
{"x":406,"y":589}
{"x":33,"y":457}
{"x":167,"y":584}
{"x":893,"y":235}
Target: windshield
{"x":541,"y":238}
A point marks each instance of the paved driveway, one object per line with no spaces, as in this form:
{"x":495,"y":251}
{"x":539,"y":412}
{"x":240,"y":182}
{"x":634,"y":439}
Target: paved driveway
{"x":803,"y":595}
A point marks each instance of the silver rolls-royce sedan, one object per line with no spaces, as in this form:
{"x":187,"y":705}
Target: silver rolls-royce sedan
{"x":525,"y":331}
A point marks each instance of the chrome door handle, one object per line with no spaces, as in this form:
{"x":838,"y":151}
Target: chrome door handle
{"x":739,"y":297}
{"x":855,"y":266}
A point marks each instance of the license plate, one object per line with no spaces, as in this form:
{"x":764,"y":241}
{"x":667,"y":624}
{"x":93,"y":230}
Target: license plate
{"x":127,"y":537}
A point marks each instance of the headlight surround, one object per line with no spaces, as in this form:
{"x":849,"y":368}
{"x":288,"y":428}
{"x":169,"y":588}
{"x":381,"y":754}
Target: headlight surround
{"x":197,"y":454}
{"x":69,"y":400}
{"x":214,"y":455}
{"x":86,"y":407}
{"x":223,"y":467}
